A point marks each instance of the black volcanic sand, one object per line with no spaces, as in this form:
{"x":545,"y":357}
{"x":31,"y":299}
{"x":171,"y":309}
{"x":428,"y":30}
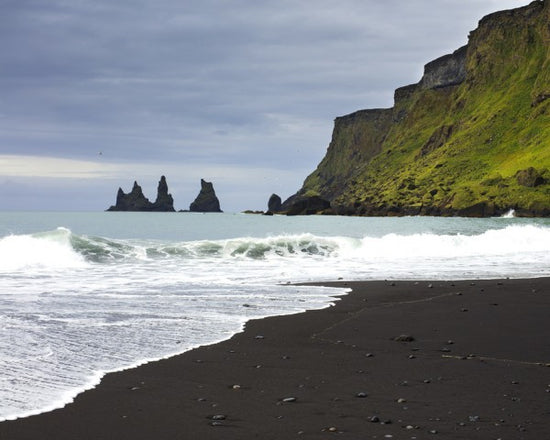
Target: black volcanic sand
{"x":472,"y":362}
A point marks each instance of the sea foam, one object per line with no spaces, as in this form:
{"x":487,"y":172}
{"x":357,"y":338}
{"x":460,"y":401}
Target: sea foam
{"x":74,"y":306}
{"x":44,"y":250}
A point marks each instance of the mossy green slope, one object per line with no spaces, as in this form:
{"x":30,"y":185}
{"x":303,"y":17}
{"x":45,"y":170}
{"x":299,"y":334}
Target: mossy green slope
{"x":479,"y":146}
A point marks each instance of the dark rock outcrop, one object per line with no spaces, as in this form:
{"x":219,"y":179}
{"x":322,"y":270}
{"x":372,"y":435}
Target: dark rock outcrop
{"x":274,"y":203}
{"x":206,"y":201}
{"x":530,"y":178}
{"x":135,"y":200}
{"x":308,"y":206}
{"x":164,"y":201}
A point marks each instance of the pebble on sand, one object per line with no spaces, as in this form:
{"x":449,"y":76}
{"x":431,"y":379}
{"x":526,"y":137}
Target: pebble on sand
{"x":404,"y":338}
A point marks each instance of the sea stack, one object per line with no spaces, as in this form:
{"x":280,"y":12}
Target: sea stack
{"x":164,"y":201}
{"x":274,"y":203}
{"x":135,"y":200}
{"x":206,"y":201}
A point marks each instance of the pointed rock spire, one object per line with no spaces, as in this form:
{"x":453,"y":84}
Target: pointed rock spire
{"x":206,"y":201}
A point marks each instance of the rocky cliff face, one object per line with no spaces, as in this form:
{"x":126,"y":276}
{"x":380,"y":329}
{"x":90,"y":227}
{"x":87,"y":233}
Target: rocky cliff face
{"x":462,"y":141}
{"x":135,"y":200}
{"x":206,"y":201}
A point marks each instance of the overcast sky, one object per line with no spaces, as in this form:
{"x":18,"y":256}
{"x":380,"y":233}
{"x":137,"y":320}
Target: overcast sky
{"x":95,"y":94}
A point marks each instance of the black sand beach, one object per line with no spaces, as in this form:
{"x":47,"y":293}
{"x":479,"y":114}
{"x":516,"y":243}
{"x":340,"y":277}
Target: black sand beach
{"x":404,"y":360}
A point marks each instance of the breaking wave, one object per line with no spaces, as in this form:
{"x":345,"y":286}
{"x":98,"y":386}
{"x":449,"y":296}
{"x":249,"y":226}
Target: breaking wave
{"x":61,"y":248}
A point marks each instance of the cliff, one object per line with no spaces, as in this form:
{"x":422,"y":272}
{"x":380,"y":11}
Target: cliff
{"x":472,"y":137}
{"x":135,"y":200}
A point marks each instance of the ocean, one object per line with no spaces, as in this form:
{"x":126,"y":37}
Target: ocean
{"x":84,"y":294}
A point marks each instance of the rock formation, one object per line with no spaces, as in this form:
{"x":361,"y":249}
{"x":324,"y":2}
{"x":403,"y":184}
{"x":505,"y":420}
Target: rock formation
{"x":164,"y":201}
{"x":206,"y":201}
{"x":135,"y":200}
{"x":274,"y":203}
{"x":470,"y":138}
{"x":309,"y":205}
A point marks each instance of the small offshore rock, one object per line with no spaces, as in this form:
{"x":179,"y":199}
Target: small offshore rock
{"x":404,"y":338}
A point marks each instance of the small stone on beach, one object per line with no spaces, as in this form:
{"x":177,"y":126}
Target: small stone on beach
{"x":404,"y":338}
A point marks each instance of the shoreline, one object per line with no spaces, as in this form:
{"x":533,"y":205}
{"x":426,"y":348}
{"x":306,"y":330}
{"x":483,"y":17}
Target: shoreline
{"x":473,"y":365}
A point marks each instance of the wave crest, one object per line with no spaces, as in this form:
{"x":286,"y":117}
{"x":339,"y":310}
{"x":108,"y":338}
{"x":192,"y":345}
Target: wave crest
{"x":63,"y":249}
{"x":52,"y":249}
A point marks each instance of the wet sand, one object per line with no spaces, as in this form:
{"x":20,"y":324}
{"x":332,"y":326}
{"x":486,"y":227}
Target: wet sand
{"x":403,"y":360}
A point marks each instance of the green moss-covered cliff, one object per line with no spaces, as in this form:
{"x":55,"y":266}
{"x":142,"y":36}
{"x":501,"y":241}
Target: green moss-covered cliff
{"x":471,"y":138}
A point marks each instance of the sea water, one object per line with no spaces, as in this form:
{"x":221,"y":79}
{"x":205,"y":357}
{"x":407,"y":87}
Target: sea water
{"x":83,"y":294}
